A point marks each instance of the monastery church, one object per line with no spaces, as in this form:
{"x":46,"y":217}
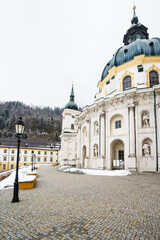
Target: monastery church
{"x":121,"y":129}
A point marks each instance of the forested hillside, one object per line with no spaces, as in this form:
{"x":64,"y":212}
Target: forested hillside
{"x":40,"y":123}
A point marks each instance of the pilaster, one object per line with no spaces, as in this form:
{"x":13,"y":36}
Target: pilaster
{"x":132,"y":156}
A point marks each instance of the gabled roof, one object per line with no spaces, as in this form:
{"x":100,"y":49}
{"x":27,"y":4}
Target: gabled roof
{"x":30,"y":143}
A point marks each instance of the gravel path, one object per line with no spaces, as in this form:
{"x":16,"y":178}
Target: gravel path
{"x":74,"y":206}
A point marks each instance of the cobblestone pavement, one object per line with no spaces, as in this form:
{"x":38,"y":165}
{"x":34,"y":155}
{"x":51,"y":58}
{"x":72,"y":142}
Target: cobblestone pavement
{"x":74,"y":206}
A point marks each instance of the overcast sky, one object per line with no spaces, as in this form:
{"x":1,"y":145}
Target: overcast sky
{"x":46,"y":45}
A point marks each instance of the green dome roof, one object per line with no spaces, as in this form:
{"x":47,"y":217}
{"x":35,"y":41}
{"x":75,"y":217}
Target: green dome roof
{"x":136,"y":42}
{"x":71,"y":104}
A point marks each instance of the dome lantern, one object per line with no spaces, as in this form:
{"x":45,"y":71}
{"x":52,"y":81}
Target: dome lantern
{"x":136,"y":31}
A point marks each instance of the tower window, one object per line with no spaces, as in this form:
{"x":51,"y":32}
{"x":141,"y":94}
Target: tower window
{"x":138,"y":35}
{"x":127,"y":82}
{"x":153,"y":78}
{"x":72,"y":126}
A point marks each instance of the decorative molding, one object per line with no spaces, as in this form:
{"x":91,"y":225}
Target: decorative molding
{"x":152,"y":68}
{"x":130,"y":105}
{"x":138,"y":60}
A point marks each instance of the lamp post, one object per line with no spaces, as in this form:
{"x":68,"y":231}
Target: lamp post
{"x":57,"y":154}
{"x":57,"y":157}
{"x":19,"y":133}
{"x":32,"y":160}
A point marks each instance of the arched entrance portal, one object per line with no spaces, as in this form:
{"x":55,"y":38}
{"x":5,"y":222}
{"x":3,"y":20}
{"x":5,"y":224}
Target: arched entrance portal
{"x":84,"y":154}
{"x":117,"y":155}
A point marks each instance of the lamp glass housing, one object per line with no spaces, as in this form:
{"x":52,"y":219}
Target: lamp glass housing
{"x":19,"y":126}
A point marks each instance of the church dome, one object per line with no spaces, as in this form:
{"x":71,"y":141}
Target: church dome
{"x":71,"y":104}
{"x":136,"y":43}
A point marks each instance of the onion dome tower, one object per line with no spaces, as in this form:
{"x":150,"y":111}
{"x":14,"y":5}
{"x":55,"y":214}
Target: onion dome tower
{"x":71,"y":104}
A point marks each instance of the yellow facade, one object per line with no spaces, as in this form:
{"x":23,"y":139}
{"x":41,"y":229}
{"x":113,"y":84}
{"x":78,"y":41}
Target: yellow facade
{"x":8,"y":157}
{"x":27,"y":185}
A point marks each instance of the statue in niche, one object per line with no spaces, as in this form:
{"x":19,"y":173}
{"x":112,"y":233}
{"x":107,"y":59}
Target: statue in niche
{"x":145,"y":120}
{"x":146,"y":149}
{"x":95,"y":150}
{"x":97,"y":129}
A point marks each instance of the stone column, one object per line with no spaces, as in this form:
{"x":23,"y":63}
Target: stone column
{"x":131,"y":163}
{"x":132,"y":132}
{"x":102,"y":134}
{"x":78,"y":146}
{"x":99,"y":135}
{"x":158,"y":131}
{"x":88,"y":138}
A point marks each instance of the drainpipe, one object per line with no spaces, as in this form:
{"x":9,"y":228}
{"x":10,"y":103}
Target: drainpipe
{"x":156,"y":135}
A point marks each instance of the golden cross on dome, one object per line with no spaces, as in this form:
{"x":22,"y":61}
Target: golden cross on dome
{"x":134,"y":6}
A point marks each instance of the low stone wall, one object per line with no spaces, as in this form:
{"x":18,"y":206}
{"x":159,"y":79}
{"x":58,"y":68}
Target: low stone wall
{"x":28,"y":184}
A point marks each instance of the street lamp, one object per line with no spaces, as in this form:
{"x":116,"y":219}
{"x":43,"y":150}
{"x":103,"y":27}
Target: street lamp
{"x":57,"y":154}
{"x":19,"y":133}
{"x":32,"y":160}
{"x":57,"y":157}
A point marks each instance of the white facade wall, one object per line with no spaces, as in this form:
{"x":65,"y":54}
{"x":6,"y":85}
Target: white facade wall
{"x":69,"y":137}
{"x":139,"y":80}
{"x":98,"y":146}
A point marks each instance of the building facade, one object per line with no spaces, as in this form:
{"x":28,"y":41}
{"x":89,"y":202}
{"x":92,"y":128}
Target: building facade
{"x":121,"y":129}
{"x":38,"y":151}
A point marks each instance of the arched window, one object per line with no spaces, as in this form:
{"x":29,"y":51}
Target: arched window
{"x":72,"y":126}
{"x":153,"y":78}
{"x":127,"y":82}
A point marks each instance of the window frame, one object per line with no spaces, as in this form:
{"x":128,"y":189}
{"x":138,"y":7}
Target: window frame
{"x":125,"y":84}
{"x":152,"y":80}
{"x":118,"y":124}
{"x":4,"y":166}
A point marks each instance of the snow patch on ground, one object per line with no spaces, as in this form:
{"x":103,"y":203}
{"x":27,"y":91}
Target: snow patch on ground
{"x":22,"y":175}
{"x":67,"y":169}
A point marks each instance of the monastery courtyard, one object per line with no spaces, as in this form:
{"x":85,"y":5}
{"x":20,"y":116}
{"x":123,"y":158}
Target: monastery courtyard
{"x":76,"y":206}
